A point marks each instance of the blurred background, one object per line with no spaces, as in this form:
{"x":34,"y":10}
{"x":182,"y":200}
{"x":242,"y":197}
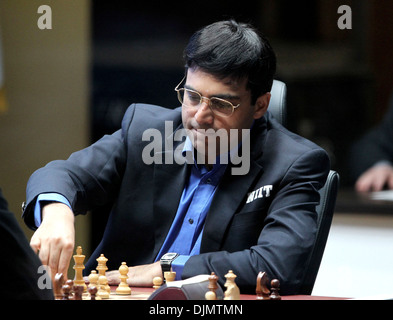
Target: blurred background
{"x":67,"y":86}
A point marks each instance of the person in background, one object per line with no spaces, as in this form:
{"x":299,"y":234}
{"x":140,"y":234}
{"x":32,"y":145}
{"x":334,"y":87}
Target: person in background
{"x":371,"y":157}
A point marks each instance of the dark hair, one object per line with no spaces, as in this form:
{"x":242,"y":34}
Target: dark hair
{"x":236,"y":50}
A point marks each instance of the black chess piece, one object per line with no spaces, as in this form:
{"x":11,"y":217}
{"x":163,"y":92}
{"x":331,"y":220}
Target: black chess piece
{"x":275,"y":287}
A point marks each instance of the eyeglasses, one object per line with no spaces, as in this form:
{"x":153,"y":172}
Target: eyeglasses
{"x":193,"y":99}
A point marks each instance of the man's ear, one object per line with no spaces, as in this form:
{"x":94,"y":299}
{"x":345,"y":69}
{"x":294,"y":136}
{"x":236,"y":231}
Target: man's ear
{"x":261,"y":105}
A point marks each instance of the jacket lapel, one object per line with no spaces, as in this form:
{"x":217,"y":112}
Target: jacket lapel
{"x":229,"y":196}
{"x":168,"y":185}
{"x":232,"y":191}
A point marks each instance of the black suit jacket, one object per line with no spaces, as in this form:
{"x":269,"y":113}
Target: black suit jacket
{"x":271,"y":232}
{"x":20,"y":267}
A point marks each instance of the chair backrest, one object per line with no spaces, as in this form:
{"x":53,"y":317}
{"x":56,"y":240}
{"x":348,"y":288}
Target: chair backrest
{"x":328,"y":195}
{"x":278,"y":102}
{"x":325,"y":211}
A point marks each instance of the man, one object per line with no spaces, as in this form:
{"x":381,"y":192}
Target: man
{"x":174,"y":196}
{"x":24,"y":278}
{"x":371,"y":158}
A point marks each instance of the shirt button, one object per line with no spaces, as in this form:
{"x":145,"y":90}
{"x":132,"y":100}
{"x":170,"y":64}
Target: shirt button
{"x":191,"y":221}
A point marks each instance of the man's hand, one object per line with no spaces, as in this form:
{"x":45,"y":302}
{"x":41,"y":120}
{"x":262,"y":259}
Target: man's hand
{"x":55,"y":238}
{"x":139,"y":276}
{"x":375,"y":179}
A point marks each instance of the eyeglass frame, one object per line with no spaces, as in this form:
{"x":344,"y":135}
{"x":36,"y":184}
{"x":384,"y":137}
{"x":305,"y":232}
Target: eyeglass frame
{"x":177,"y":89}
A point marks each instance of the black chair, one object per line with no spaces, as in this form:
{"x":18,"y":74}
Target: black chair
{"x":328,"y":193}
{"x":325,"y":211}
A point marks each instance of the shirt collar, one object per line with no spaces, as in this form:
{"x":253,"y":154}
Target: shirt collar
{"x":222,"y":160}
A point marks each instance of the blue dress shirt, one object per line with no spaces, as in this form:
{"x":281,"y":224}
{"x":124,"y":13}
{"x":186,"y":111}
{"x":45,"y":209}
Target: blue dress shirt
{"x":43,"y":199}
{"x":185,"y":234}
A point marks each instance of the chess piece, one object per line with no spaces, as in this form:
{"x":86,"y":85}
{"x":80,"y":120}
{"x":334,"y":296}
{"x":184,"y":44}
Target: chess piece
{"x":232,"y":292}
{"x":157,"y":282}
{"x":92,"y":291}
{"x":123,"y":287}
{"x":93,"y":279}
{"x":66,"y":291}
{"x":211,"y":294}
{"x":102,"y":291}
{"x":57,"y":286}
{"x":78,"y":292}
{"x":70,"y":284}
{"x":275,"y":287}
{"x":262,"y":291}
{"x":169,"y":276}
{"x":78,"y":267}
{"x":101,"y":268}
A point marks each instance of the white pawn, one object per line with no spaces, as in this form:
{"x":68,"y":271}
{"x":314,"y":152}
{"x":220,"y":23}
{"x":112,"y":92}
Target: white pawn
{"x":157,"y":282}
{"x":169,"y":276}
{"x":102,"y":292}
{"x":93,"y":279}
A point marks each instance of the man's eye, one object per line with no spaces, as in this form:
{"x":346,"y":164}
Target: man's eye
{"x":219,"y":104}
{"x":194,"y":97}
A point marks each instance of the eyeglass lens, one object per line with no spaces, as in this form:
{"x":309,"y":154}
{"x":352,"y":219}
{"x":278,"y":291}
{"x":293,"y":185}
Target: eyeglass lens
{"x":191,"y":98}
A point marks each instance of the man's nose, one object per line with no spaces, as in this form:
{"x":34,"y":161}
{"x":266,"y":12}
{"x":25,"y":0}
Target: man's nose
{"x":204,"y":114}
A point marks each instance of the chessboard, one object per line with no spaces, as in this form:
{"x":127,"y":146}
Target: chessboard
{"x":137,"y":293}
{"x":97,"y":287}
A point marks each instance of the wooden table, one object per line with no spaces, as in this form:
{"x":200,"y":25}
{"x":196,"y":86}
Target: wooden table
{"x":350,"y":201}
{"x":142,"y":293}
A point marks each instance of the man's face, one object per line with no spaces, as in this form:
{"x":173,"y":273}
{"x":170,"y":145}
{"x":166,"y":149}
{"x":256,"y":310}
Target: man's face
{"x":198,"y":120}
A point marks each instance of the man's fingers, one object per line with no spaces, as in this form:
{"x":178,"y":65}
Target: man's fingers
{"x":65,"y":258}
{"x":113,"y":277}
{"x":54,"y":253}
{"x":35,"y":244}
